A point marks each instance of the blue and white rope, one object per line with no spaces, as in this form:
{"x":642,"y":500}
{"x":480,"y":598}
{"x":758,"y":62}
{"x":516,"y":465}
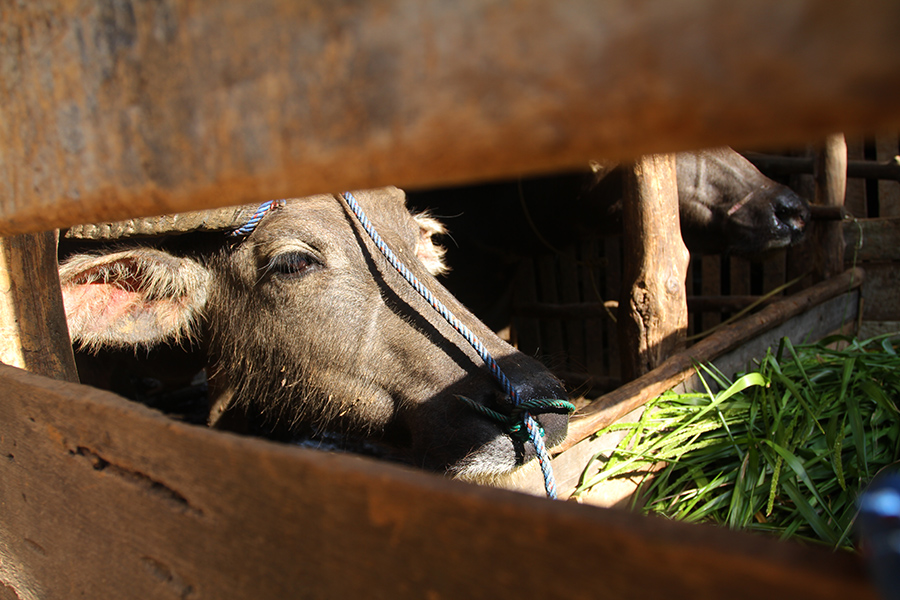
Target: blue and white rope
{"x":248,"y":227}
{"x":534,"y":430}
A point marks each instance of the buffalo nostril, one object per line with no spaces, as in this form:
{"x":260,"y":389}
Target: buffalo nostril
{"x":548,"y":404}
{"x":792,"y":211}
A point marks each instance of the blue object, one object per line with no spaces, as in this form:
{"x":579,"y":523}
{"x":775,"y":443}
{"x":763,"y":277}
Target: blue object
{"x":878,"y":528}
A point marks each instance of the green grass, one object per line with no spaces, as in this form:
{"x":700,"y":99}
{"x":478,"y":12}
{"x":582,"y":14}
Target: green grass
{"x":784,"y":449}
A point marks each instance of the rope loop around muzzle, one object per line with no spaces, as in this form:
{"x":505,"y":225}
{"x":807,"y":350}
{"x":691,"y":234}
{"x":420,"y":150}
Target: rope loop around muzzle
{"x":513,"y":423}
{"x":521,"y":409}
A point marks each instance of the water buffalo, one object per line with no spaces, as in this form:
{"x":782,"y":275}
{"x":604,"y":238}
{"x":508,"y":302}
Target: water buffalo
{"x":726,"y":206}
{"x":307,"y":328}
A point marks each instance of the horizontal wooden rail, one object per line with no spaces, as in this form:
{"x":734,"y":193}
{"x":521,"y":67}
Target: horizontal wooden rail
{"x":810,"y":314}
{"x":607,"y":409}
{"x":105,"y":498}
{"x":805,"y":165}
{"x":123,"y":109}
{"x":598,"y":310}
{"x":827,"y":213}
{"x":872,"y":239}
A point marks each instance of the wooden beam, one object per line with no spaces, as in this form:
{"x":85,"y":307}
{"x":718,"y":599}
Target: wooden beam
{"x":808,"y":315}
{"x":652,"y":317}
{"x":104,"y":498}
{"x":598,"y":310}
{"x":606,"y":409}
{"x":125,"y":109}
{"x":33,"y":330}
{"x":788,"y":165}
{"x":872,"y":239}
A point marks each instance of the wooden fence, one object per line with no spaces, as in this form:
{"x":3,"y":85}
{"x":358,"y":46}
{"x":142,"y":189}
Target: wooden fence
{"x":132,"y":108}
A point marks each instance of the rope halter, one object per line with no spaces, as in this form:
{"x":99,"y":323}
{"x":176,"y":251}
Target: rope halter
{"x":248,"y":227}
{"x":519,"y":423}
{"x":521,"y":411}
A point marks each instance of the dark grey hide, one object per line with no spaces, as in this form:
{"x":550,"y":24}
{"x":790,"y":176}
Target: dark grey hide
{"x":497,"y":225}
{"x":309,"y":329}
{"x":726,"y":206}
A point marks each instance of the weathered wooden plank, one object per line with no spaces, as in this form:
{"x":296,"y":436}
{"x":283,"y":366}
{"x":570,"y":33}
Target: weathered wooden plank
{"x":837,"y":314}
{"x":653,"y":309}
{"x":872,"y":239}
{"x":880,"y":291}
{"x":570,"y":291}
{"x":103,"y":498}
{"x":608,"y":408}
{"x":711,"y":285}
{"x":887,"y":149}
{"x":33,"y":330}
{"x":131,"y":108}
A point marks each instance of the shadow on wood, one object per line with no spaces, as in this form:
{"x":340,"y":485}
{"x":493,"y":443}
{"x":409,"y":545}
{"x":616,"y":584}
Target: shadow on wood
{"x":105,"y":498}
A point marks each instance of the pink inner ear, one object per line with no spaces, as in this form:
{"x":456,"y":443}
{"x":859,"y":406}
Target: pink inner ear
{"x":109,"y":313}
{"x":100,"y":301}
{"x":135,"y":298}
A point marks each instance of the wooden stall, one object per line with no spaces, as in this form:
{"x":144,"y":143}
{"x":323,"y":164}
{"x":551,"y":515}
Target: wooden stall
{"x":131,"y":108}
{"x":870,"y":216}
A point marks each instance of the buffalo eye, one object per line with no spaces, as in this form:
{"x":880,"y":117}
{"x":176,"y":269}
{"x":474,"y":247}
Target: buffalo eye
{"x":291,"y":264}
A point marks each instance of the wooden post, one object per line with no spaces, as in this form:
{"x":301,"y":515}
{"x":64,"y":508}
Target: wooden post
{"x":33,"y":330}
{"x":653,"y":312}
{"x":831,"y":186}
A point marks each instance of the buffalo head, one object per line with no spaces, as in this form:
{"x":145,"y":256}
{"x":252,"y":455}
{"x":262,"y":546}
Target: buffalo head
{"x":728,"y":207}
{"x":307,"y":328}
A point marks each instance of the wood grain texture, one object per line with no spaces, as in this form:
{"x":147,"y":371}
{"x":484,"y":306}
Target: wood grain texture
{"x":653,"y":314}
{"x":103,"y":498}
{"x":33,"y":330}
{"x":880,"y":292}
{"x":872,"y":239}
{"x":129,"y":108}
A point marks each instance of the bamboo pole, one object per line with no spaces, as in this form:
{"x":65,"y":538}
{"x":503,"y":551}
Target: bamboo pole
{"x":831,"y":186}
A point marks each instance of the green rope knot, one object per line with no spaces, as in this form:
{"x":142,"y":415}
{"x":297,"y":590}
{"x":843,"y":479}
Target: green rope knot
{"x":514,"y":423}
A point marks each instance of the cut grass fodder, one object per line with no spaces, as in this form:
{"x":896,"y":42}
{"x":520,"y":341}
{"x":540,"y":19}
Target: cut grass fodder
{"x":785,"y":449}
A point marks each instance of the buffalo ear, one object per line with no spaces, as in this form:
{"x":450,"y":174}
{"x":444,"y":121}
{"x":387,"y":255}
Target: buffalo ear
{"x":134,"y":298}
{"x":431,"y":255}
